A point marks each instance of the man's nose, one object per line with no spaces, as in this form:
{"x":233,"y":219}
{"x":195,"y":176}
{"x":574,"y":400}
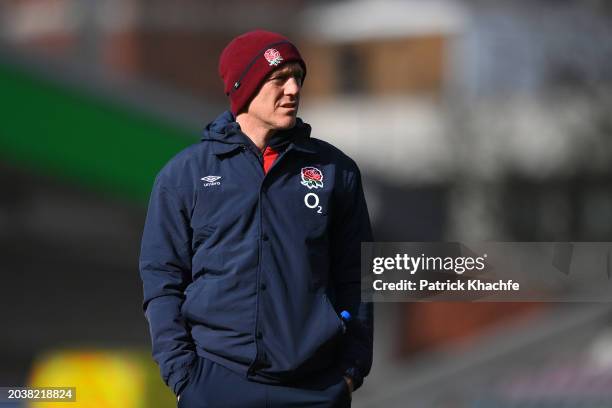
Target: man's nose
{"x":292,"y":86}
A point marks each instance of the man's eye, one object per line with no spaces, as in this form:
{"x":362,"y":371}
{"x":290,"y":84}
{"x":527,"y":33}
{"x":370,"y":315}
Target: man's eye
{"x":278,"y":80}
{"x":282,"y":79}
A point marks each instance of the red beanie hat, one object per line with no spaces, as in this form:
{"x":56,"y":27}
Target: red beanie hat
{"x":248,"y":59}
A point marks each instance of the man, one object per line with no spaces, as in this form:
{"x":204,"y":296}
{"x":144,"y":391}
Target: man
{"x":250,"y":254}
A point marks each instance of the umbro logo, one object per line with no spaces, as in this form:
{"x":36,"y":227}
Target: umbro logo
{"x":211,"y":181}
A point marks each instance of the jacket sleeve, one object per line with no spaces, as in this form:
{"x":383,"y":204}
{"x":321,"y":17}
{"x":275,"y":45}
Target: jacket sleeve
{"x":165,"y":270}
{"x":351,"y":228}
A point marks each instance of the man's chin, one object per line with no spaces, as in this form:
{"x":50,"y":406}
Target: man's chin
{"x":286,"y":123}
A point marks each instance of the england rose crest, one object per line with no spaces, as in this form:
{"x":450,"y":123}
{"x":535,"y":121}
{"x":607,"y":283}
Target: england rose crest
{"x":312,"y":177}
{"x":273,"y":56}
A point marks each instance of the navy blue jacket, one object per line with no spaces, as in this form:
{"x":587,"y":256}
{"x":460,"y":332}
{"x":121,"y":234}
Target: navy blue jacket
{"x":251,"y":270}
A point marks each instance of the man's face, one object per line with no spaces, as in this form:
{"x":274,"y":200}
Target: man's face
{"x":276,"y":104}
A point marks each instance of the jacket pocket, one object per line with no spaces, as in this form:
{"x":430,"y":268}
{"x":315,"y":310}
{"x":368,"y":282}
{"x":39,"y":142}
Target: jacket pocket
{"x":202,"y":235}
{"x":207,"y":254}
{"x":220,"y":302}
{"x":338,"y":323}
{"x":320,"y":338}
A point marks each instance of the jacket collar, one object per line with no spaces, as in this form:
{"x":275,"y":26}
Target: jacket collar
{"x":227,"y":137}
{"x":303,"y":145}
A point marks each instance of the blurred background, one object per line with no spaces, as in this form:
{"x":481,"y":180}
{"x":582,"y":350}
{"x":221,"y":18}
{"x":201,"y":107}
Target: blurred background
{"x":471,"y":120}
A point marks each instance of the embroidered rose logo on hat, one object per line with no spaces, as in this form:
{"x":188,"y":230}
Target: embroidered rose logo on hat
{"x":273,"y":56}
{"x":312,"y":177}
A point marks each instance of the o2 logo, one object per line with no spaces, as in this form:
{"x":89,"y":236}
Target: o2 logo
{"x":311,"y":200}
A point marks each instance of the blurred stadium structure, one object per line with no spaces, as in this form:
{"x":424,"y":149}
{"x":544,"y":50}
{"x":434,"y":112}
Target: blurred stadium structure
{"x":471,"y":120}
